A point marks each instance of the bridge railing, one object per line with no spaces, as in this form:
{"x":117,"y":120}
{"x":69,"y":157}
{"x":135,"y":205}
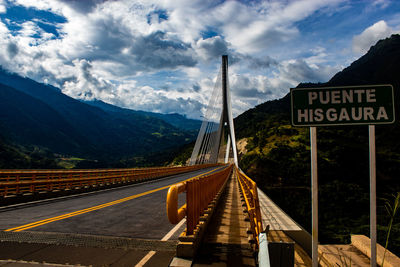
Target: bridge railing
{"x":249,"y":191}
{"x":16,"y":182}
{"x":200,"y":192}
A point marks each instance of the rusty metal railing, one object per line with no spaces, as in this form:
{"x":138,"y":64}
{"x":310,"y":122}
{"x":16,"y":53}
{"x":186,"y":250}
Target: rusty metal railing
{"x":200,"y":192}
{"x":15,"y":182}
{"x":249,"y":191}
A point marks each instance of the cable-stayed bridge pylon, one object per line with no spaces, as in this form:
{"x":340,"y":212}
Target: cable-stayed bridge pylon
{"x":217,"y":125}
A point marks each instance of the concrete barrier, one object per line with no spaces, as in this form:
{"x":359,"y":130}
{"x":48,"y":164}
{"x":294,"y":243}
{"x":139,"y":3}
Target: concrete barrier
{"x":363,"y":244}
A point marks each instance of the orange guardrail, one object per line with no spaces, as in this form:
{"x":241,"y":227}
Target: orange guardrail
{"x":200,"y":192}
{"x":15,"y":182}
{"x":249,"y":191}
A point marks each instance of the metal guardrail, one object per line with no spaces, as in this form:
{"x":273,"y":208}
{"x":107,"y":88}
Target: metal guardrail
{"x":249,"y":191}
{"x":263,"y":253}
{"x":200,"y":192}
{"x":16,"y":182}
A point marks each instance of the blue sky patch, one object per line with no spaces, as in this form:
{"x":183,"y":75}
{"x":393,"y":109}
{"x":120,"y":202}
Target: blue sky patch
{"x":16,"y":15}
{"x":209,"y":33}
{"x":160,"y":14}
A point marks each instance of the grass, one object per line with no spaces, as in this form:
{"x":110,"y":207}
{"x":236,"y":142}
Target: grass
{"x":68,"y":163}
{"x":392,"y":211}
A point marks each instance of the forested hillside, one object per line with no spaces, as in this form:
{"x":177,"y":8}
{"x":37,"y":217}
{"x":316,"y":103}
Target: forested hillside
{"x":36,"y":117}
{"x":278,"y":156}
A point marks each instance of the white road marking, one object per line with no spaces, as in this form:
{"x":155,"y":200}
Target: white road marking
{"x":173,"y":230}
{"x":165,"y":238}
{"x":145,"y":258}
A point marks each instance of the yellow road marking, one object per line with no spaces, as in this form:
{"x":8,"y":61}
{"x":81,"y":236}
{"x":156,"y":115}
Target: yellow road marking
{"x":79,"y":212}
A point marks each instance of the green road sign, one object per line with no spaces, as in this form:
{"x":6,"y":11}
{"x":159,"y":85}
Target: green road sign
{"x":346,"y":105}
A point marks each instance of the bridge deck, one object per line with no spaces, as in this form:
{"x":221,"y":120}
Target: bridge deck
{"x":273,"y":216}
{"x":226,"y":242}
{"x":56,"y":249}
{"x":129,"y":226}
{"x":280,"y":226}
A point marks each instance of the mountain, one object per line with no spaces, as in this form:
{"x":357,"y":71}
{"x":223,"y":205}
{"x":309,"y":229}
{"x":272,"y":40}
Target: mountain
{"x":378,"y":66}
{"x":26,"y":120}
{"x":278,"y":156}
{"x":175,"y":119}
{"x":39,"y":115}
{"x":14,"y":157}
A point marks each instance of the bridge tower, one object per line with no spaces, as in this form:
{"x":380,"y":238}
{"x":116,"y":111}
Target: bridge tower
{"x":212,"y":131}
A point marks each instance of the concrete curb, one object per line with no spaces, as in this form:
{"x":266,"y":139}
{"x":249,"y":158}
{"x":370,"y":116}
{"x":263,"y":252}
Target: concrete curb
{"x":363,"y":244}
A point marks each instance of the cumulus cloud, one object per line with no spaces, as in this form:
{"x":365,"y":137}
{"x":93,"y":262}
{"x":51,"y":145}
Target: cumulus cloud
{"x":162,"y":55}
{"x":253,"y":28}
{"x":211,"y":48}
{"x":263,"y":62}
{"x":248,"y":86}
{"x":12,"y":50}
{"x":372,"y":34}
{"x":298,"y":70}
{"x":87,"y":85}
{"x":256,"y":89}
{"x":157,"y":51}
{"x":85,"y":6}
{"x":130,"y":95}
{"x":3,"y":8}
{"x":196,"y":87}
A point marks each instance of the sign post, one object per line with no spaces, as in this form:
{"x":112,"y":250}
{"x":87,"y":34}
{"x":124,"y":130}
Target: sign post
{"x":372,"y":192}
{"x":346,"y":105}
{"x":314,"y":195}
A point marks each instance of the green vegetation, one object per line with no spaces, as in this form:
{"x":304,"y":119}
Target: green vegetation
{"x":68,"y":162}
{"x":17,"y":157}
{"x":278,"y":157}
{"x":392,"y":211}
{"x":183,"y":155}
{"x":38,"y":115}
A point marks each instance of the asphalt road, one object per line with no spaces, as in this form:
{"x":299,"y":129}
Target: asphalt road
{"x":136,"y":212}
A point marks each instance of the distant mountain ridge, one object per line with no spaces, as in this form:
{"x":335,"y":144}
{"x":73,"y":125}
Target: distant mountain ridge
{"x":175,"y":119}
{"x":379,"y":65}
{"x":35,"y":114}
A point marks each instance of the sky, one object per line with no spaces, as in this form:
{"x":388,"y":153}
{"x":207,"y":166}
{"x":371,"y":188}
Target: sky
{"x":164,"y":55}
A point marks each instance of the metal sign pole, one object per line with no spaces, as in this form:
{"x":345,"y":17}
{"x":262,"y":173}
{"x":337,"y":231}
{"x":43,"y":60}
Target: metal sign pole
{"x":372,"y":174}
{"x":314,"y":195}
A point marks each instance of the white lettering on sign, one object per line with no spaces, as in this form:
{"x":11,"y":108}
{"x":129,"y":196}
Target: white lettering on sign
{"x":371,"y":96}
{"x":312,"y":96}
{"x":344,"y":105}
{"x":359,"y":93}
{"x":359,"y":114}
{"x":368,"y":113}
{"x":302,"y":115}
{"x":347,"y":97}
{"x":382,"y":114}
{"x":319,"y":115}
{"x":335,"y":97}
{"x":331,"y":114}
{"x":342,"y":114}
{"x":326,"y":97}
